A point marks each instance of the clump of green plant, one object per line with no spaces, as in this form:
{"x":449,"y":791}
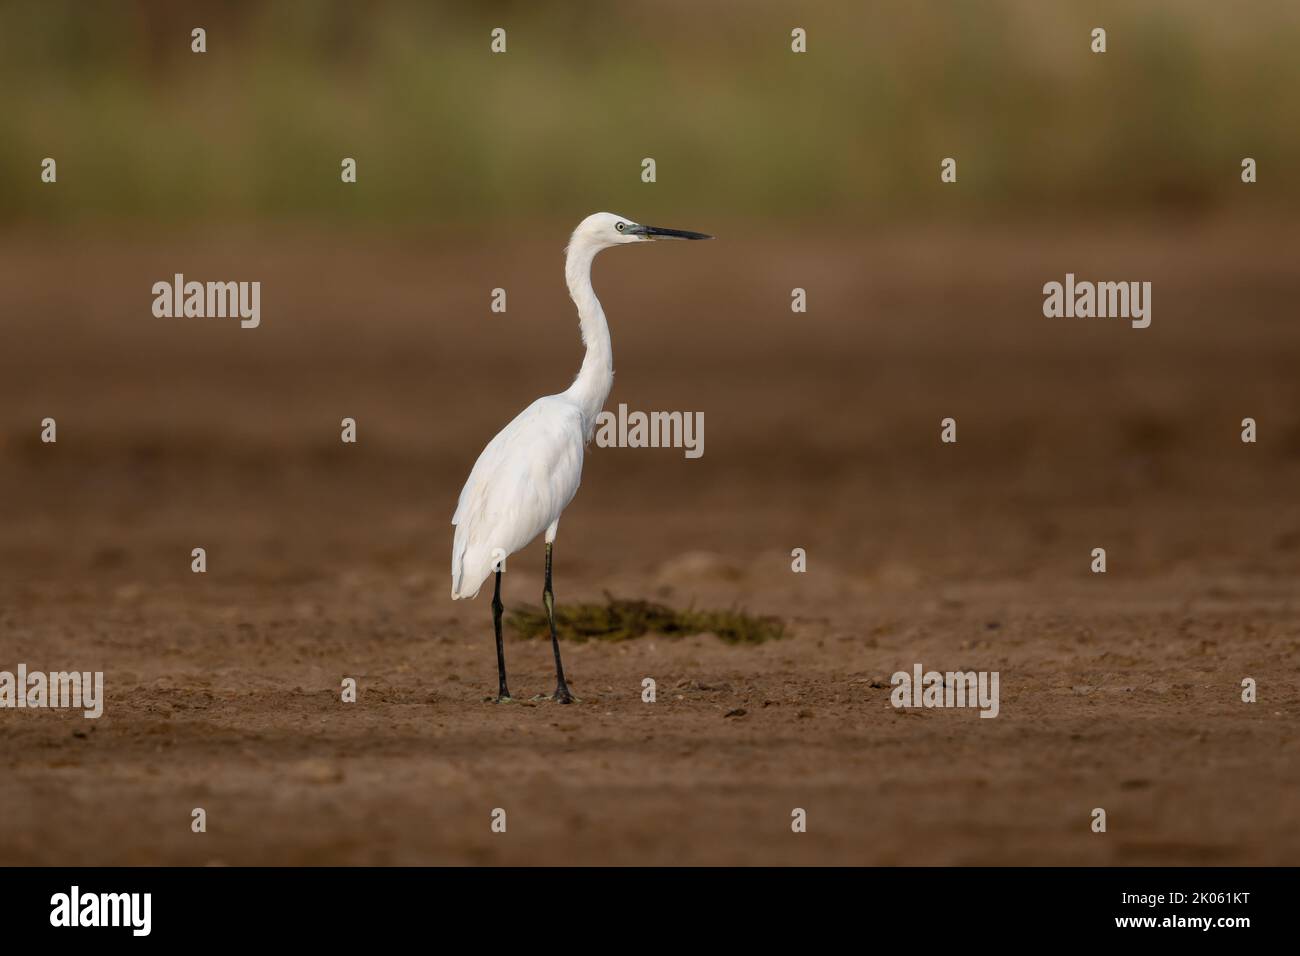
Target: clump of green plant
{"x":622,"y":620}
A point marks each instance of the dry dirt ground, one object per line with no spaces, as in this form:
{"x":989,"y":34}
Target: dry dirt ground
{"x":1119,"y":691}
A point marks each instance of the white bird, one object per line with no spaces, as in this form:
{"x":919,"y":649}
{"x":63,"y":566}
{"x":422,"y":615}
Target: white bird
{"x":528,"y":473}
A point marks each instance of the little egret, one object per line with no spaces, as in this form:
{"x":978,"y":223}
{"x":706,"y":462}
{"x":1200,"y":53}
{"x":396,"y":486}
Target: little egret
{"x":528,"y":473}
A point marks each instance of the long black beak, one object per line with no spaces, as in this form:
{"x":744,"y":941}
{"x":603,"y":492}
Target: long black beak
{"x":657,"y":232}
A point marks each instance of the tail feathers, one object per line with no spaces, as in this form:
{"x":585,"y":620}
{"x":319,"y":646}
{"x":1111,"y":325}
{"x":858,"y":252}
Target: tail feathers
{"x":457,"y":558}
{"x":466,"y":584}
{"x":470,"y":567}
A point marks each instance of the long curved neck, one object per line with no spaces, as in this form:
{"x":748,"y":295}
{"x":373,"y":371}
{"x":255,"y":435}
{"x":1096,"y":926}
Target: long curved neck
{"x":596,"y":377}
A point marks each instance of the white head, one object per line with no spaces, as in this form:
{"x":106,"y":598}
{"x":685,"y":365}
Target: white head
{"x":601,"y":230}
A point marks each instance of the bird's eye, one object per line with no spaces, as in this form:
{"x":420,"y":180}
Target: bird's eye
{"x":619,"y":226}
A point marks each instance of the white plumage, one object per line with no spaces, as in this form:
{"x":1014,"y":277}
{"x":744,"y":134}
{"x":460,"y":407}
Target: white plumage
{"x":523,"y":480}
{"x":527,"y":475}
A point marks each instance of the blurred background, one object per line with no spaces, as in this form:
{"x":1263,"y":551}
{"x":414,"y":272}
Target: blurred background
{"x":817,"y":171}
{"x":444,"y":133}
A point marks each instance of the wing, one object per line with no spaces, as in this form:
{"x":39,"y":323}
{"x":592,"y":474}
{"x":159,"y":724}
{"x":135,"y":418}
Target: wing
{"x":523,"y":480}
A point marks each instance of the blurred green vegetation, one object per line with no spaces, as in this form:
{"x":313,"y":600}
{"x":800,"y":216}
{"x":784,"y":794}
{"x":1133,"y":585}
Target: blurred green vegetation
{"x":444,"y":130}
{"x":620,"y":619}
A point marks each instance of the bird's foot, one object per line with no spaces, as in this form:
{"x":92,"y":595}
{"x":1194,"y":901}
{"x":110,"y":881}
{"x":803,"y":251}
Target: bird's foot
{"x":501,"y":699}
{"x":560,"y":697}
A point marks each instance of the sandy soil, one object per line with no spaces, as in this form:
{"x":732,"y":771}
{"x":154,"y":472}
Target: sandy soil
{"x":1119,"y":691}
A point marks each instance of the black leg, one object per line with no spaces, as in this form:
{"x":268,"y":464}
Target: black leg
{"x":562,"y":694}
{"x":503,"y":692}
